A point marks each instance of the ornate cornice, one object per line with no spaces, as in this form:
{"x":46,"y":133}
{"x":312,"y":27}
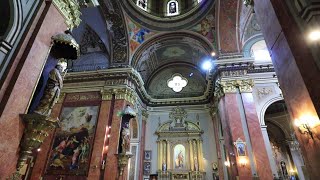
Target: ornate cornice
{"x":126,"y":78}
{"x":70,"y":10}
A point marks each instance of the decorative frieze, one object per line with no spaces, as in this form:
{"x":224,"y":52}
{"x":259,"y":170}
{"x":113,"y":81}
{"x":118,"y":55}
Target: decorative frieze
{"x":70,"y":10}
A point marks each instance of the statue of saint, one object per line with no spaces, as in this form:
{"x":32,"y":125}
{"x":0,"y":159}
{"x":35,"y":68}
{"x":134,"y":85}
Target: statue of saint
{"x":164,"y":167}
{"x":125,"y":135}
{"x":52,"y":91}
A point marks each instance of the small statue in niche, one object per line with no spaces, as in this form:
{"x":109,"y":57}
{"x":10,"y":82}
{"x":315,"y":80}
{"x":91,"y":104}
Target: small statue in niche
{"x":52,"y":91}
{"x":164,"y":167}
{"x":125,"y":135}
{"x":196,"y":165}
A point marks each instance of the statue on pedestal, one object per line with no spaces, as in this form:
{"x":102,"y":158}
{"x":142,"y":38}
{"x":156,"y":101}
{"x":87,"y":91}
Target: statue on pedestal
{"x":52,"y":91}
{"x":125,"y":135}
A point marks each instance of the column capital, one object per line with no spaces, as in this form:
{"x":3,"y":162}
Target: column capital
{"x":244,"y":85}
{"x":106,"y":95}
{"x":145,"y":115}
{"x":126,"y":93}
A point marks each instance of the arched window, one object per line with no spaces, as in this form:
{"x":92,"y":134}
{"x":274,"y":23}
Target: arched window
{"x":260,"y":51}
{"x":143,"y":4}
{"x":173,"y":8}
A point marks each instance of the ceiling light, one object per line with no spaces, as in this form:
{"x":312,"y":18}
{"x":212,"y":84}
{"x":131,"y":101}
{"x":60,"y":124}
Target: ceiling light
{"x":207,"y":65}
{"x":177,"y":82}
{"x":213,"y":53}
{"x":314,"y":35}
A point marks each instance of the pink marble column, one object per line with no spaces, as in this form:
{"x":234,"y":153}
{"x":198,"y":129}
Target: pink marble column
{"x":297,"y":71}
{"x":256,"y":138}
{"x":142,"y":147}
{"x":232,"y":130}
{"x":98,"y":146}
{"x":111,"y":170}
{"x":21,"y":79}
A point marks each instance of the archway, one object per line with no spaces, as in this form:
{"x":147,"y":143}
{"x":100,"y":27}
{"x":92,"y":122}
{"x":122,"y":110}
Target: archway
{"x":284,"y":148}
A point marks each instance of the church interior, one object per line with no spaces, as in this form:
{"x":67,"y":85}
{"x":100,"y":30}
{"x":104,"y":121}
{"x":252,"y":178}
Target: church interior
{"x":160,"y":89}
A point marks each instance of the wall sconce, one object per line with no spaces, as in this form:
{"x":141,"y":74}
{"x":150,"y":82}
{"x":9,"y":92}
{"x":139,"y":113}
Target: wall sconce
{"x":243,"y":161}
{"x":306,"y":124}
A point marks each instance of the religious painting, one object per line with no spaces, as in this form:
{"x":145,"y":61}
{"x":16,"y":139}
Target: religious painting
{"x":241,"y":147}
{"x":146,"y":168}
{"x":179,"y":156}
{"x":147,"y":155}
{"x":173,"y":8}
{"x":71,"y":149}
{"x":137,"y":34}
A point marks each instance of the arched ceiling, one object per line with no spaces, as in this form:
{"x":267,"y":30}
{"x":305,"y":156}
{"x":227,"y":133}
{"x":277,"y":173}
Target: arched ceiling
{"x":169,"y":49}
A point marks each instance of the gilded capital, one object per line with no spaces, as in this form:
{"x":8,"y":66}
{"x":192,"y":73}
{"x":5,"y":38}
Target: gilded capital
{"x":126,"y":94}
{"x":231,"y":86}
{"x":107,"y":94}
{"x":70,"y":10}
{"x":145,"y":115}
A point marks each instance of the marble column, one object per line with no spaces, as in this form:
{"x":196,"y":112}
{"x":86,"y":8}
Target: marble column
{"x":269,"y":151}
{"x":122,"y":97}
{"x":240,"y":121}
{"x":191,"y":155}
{"x":145,"y":116}
{"x":296,"y":64}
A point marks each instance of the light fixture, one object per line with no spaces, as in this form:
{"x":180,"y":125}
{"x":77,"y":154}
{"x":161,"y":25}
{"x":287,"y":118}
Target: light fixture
{"x":314,"y":35}
{"x":227,"y":163}
{"x":108,"y":136}
{"x":207,"y":65}
{"x":243,"y":161}
{"x":213,"y":53}
{"x":39,"y":149}
{"x":306,"y":124}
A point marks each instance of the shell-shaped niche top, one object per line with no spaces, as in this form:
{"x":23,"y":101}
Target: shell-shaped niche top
{"x":178,"y":122}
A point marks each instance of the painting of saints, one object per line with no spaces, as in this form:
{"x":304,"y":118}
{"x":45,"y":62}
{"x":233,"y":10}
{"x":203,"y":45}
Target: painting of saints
{"x":73,"y":141}
{"x":179,"y":154}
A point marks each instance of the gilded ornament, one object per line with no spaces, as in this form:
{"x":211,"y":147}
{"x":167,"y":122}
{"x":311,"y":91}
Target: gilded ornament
{"x":70,"y":10}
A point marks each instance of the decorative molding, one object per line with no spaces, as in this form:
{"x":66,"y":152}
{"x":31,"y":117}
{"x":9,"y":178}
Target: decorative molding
{"x":83,"y":96}
{"x":117,"y":26}
{"x":145,"y":115}
{"x":70,"y":10}
{"x":244,"y":85}
{"x":61,"y":97}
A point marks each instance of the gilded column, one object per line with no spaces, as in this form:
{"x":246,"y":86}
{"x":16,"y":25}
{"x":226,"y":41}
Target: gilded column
{"x":195,"y":154}
{"x":168,"y":156}
{"x":201,"y":155}
{"x":160,"y":155}
{"x":164,"y":152}
{"x":159,"y":160}
{"x":191,"y":155}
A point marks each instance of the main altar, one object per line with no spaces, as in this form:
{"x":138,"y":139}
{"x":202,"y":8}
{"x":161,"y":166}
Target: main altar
{"x":180,"y":154}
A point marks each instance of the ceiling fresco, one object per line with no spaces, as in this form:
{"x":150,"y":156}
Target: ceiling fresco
{"x":207,"y":28}
{"x":137,"y":34}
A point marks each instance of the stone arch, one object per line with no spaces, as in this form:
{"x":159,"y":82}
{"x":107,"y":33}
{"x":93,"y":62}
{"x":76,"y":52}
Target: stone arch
{"x":16,"y":19}
{"x":265,"y":107}
{"x":249,"y":43}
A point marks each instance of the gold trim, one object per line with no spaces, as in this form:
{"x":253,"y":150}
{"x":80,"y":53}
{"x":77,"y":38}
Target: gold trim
{"x":70,"y":10}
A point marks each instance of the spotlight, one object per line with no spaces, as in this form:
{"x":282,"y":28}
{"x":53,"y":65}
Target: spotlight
{"x":191,"y":74}
{"x":314,"y":35}
{"x":38,"y":149}
{"x":207,"y":65}
{"x":213,"y":53}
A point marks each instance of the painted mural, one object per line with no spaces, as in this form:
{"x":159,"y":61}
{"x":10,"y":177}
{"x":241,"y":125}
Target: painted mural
{"x":73,"y":141}
{"x":207,"y":28}
{"x":137,"y":34}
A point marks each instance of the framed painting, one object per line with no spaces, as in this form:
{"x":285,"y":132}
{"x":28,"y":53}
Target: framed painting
{"x":179,"y":156}
{"x":147,"y":155}
{"x":241,"y":147}
{"x":146,"y":168}
{"x":72,"y":144}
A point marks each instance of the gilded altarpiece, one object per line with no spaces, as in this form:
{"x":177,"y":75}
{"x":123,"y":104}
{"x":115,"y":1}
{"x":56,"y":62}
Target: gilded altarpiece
{"x":179,"y":145}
